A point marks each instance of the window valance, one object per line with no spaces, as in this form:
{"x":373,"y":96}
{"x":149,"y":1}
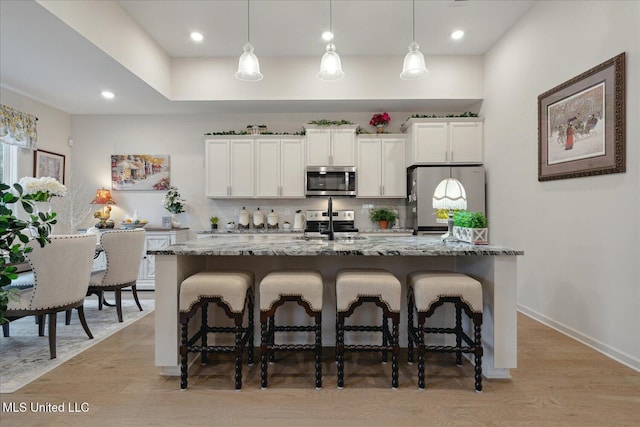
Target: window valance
{"x":18,"y":128}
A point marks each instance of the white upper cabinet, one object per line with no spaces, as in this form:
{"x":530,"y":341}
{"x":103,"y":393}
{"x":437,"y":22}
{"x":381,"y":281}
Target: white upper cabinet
{"x":331,"y":146}
{"x":381,"y":166}
{"x":229,"y":168}
{"x":280,"y":167}
{"x":450,"y":141}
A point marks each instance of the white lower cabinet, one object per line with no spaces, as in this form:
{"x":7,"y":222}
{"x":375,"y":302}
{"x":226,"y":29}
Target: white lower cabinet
{"x":381,"y":167}
{"x":155,"y":240}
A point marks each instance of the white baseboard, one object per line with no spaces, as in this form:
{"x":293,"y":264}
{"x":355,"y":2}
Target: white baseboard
{"x":600,"y":347}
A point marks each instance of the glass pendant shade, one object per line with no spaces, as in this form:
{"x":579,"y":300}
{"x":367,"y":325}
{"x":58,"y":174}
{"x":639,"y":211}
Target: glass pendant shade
{"x":330,"y":65}
{"x":450,"y":195}
{"x":414,"y":67}
{"x":248,"y":65}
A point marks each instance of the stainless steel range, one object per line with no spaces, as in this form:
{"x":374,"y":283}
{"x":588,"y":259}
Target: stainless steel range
{"x":343,"y":223}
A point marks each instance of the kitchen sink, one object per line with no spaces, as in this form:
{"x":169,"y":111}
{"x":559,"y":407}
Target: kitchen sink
{"x":324,"y":238}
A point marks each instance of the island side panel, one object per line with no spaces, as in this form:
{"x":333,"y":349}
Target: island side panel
{"x":499,"y":326}
{"x":171,"y":270}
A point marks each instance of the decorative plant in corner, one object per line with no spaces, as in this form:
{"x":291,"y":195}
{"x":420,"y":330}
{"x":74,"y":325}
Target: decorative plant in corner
{"x":15,"y":234}
{"x":384,"y":216}
{"x":471,"y":227}
{"x":174,"y":203}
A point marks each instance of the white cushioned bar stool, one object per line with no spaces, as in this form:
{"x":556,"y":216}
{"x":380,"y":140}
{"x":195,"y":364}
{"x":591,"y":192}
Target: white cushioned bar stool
{"x":278,"y":287}
{"x":431,"y":289}
{"x":355,"y":287}
{"x":233,"y":292}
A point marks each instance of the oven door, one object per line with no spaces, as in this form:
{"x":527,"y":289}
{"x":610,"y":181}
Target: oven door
{"x":329,"y":181}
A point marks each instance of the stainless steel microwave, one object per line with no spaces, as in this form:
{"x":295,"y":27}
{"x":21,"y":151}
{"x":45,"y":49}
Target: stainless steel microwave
{"x":330,"y":181}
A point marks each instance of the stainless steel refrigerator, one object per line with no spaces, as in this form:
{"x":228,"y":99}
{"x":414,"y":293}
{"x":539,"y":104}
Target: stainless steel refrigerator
{"x":422,"y":181}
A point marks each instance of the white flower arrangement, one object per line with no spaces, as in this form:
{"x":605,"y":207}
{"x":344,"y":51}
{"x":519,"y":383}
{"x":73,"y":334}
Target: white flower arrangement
{"x":42,"y":189}
{"x":173,"y":202}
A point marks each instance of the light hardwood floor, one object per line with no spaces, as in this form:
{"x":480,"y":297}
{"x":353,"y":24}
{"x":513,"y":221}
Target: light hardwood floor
{"x":558,"y":382}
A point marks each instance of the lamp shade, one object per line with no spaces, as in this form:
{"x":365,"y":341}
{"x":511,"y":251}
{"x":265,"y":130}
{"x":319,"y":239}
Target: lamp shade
{"x":413,"y":67}
{"x":103,"y":197}
{"x":449,"y":194}
{"x":330,"y":64}
{"x":248,"y":65}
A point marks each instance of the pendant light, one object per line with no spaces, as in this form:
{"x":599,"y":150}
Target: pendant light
{"x":248,"y":65}
{"x":414,"y":67}
{"x":330,"y":65}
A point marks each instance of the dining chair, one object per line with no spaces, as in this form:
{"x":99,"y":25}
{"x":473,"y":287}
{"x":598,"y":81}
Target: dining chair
{"x":123,"y":251}
{"x":61,"y":272}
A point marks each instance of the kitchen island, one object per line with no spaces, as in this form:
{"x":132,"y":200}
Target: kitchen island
{"x":494,"y":266}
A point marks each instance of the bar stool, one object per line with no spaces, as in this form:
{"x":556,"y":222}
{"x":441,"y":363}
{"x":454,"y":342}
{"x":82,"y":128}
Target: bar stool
{"x":233,"y":292}
{"x":431,"y":289}
{"x":355,"y":287}
{"x":303,"y":287}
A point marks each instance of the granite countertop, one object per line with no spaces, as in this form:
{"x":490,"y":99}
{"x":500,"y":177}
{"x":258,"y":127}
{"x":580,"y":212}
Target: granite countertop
{"x":287,"y":245}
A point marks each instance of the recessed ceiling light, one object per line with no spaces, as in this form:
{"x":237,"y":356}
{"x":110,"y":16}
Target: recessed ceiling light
{"x":197,"y":37}
{"x":457,"y":35}
{"x":108,"y":95}
{"x":327,"y":36}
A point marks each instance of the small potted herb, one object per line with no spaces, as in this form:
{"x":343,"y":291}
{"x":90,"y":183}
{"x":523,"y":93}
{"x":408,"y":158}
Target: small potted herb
{"x":471,"y":227}
{"x":384,"y":216}
{"x":214,"y":222}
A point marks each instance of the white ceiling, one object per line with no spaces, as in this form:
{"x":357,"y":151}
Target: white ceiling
{"x":42,"y":57}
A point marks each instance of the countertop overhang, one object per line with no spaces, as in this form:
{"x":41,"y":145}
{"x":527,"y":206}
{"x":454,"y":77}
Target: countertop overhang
{"x":282,"y":245}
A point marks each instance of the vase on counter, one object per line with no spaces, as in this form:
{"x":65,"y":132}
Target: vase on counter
{"x":380,"y":129}
{"x":175,"y":220}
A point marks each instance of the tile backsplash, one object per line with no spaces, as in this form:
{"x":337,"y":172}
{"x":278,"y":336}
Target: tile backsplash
{"x":227,"y":210}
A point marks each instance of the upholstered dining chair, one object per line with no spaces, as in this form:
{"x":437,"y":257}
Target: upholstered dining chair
{"x":61,"y":272}
{"x":123,"y":250}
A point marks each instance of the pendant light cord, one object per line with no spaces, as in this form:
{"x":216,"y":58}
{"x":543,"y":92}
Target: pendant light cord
{"x":414,"y":20}
{"x":249,"y":23}
{"x":330,"y":18}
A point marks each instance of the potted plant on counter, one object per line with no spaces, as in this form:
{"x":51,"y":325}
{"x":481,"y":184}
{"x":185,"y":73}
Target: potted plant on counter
{"x":384,"y":216}
{"x":471,"y":227}
{"x":214,"y":222}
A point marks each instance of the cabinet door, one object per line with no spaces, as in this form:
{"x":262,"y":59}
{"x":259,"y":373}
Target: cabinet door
{"x":430,"y":143}
{"x":318,"y":147}
{"x":292,"y":168}
{"x":217,"y":167}
{"x":343,"y":147}
{"x":466,"y":142}
{"x":394,"y":173}
{"x":369,"y":176}
{"x":241,"y":164}
{"x":268,"y":167}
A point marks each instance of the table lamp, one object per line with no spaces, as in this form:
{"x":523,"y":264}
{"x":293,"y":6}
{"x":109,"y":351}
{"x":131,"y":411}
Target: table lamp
{"x":103,"y":197}
{"x":449,"y":195}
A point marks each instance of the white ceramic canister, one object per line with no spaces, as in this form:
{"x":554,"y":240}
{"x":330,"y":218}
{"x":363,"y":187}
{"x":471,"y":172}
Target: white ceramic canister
{"x":272,"y":220}
{"x":258,"y":219}
{"x":243,"y":218}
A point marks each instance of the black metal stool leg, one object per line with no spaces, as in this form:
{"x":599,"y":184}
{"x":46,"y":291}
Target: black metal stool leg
{"x":250,"y":329}
{"x":204,"y":356}
{"x":385,"y":340}
{"x":264,"y":351}
{"x":318,"y":350}
{"x":478,"y":351}
{"x":183,"y":354}
{"x":396,"y":351}
{"x":421,"y":351}
{"x":458,"y":333}
{"x":238,"y":352}
{"x":272,"y":337}
{"x":410,"y":330}
{"x":340,"y":349}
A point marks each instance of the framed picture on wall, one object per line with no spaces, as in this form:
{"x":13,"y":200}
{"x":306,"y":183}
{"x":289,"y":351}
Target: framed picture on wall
{"x":46,"y":163}
{"x":135,"y":172}
{"x":581,"y":124}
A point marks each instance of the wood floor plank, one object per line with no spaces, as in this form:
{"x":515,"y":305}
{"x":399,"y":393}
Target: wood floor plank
{"x":558,"y":382}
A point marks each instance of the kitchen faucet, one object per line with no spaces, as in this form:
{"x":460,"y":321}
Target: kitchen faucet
{"x":329,"y":232}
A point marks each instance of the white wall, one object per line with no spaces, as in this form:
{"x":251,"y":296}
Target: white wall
{"x":581,"y":270}
{"x":97,"y":137}
{"x":54,"y":128}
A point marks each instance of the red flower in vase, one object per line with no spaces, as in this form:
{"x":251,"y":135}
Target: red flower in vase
{"x":380,"y":119}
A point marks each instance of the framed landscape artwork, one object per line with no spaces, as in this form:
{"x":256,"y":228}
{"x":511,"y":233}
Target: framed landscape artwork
{"x":140,"y":172}
{"x":581,"y":124}
{"x":46,"y":163}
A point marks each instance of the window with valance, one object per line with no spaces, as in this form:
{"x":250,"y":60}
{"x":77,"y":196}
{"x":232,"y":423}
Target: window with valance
{"x":18,"y":128}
